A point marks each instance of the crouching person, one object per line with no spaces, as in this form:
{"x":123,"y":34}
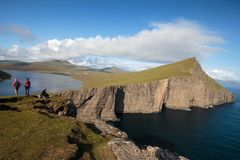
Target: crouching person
{"x":44,"y":94}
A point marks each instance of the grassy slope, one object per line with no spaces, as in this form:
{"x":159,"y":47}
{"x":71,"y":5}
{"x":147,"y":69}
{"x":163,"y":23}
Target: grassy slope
{"x":27,"y":134}
{"x":182,"y":68}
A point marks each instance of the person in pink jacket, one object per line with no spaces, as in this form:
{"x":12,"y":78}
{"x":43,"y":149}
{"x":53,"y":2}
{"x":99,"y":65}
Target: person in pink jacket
{"x":16,"y":85}
{"x":27,"y":86}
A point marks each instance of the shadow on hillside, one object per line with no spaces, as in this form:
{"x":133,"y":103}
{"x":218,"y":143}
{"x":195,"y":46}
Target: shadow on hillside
{"x":10,"y":99}
{"x":4,"y":107}
{"x":93,"y":128}
{"x":47,"y":114}
{"x":79,"y":139}
{"x":119,"y":101}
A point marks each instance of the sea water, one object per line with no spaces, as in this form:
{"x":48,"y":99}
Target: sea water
{"x":202,"y":134}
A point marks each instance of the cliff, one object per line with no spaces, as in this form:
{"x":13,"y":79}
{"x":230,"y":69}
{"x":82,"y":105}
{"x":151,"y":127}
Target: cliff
{"x":178,"y":86}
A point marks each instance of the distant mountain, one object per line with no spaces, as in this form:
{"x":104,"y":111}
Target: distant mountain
{"x":112,"y":70}
{"x":57,"y":66}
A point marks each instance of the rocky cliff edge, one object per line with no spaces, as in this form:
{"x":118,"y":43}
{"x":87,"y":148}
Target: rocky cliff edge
{"x":195,"y":88}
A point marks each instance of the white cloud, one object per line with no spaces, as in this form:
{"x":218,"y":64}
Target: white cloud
{"x":225,"y":75}
{"x":164,"y":42}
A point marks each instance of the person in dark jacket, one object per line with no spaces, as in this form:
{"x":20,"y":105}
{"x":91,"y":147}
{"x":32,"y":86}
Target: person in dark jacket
{"x":16,"y":85}
{"x":44,"y":94}
{"x":27,"y":86}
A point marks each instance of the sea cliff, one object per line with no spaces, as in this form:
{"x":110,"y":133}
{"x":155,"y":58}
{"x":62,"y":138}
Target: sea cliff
{"x":176,"y":92}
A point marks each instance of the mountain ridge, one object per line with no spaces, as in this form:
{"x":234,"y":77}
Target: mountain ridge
{"x":187,"y":67}
{"x":51,"y":65}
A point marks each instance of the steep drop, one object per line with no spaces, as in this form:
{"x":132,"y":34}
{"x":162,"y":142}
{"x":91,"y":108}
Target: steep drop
{"x":176,"y":92}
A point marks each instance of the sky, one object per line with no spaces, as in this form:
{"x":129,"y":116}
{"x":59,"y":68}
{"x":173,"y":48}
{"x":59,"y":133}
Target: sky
{"x":130,"y":34}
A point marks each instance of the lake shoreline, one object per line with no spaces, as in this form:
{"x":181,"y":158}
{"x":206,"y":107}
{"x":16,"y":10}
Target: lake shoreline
{"x":39,"y":81}
{"x":4,"y":75}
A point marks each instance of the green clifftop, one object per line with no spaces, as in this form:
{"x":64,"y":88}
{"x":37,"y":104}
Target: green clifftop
{"x":187,"y":67}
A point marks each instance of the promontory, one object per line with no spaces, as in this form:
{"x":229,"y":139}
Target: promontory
{"x":180,"y":85}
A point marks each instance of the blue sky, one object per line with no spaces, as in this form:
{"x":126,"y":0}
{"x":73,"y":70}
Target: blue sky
{"x":209,"y":30}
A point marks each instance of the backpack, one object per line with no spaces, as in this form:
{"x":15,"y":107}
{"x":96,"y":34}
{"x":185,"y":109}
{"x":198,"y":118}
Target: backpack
{"x":17,"y":84}
{"x":27,"y":83}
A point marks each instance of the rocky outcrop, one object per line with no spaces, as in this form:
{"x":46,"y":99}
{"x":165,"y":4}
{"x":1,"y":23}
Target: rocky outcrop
{"x":62,"y":107}
{"x":125,"y":149}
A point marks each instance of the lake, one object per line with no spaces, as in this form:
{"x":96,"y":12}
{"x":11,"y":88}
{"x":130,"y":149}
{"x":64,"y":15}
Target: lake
{"x":39,"y":81}
{"x":202,"y":134}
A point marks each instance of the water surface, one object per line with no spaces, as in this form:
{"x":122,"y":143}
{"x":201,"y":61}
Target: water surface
{"x":39,"y":81}
{"x":202,"y":134}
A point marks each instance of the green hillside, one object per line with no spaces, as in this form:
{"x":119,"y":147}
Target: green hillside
{"x":182,"y":68}
{"x":27,"y":133}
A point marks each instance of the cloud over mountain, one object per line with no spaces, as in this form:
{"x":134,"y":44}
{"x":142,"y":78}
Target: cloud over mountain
{"x":163,"y":42}
{"x":100,"y":62}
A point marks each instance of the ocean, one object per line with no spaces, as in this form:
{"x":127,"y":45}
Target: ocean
{"x":201,"y":134}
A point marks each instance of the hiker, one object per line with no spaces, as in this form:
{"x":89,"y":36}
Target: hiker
{"x":27,"y":86}
{"x":16,"y":85}
{"x":44,"y":94}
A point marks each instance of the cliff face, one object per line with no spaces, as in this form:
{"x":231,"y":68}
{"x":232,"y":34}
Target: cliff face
{"x":180,"y":92}
{"x":198,"y":90}
{"x":146,"y":98}
{"x":94,"y":103}
{"x":105,"y":102}
{"x":186,"y":92}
